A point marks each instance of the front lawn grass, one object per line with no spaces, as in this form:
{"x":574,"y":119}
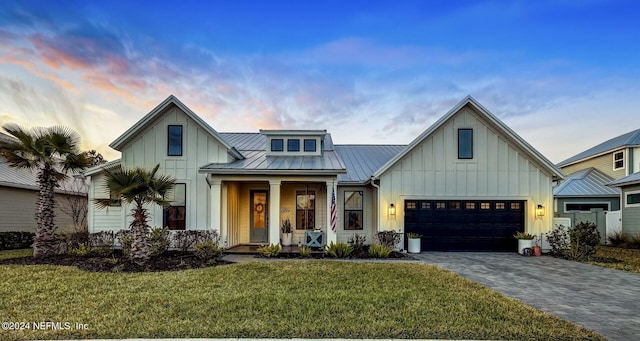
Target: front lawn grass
{"x":6,"y":254}
{"x":628,"y":259}
{"x":283,"y":299}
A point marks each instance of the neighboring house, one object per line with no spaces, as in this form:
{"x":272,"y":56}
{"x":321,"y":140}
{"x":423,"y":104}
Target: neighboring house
{"x":19,"y":194}
{"x":630,"y":202}
{"x":585,"y":192}
{"x":467,"y":183}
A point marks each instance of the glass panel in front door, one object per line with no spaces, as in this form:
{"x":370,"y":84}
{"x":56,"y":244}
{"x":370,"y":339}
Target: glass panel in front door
{"x":259,"y":217}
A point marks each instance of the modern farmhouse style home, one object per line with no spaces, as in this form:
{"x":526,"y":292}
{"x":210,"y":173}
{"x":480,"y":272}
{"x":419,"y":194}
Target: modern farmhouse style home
{"x":468,"y":182}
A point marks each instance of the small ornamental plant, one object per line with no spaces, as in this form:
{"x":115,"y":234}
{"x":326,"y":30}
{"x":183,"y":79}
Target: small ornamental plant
{"x":525,"y":236}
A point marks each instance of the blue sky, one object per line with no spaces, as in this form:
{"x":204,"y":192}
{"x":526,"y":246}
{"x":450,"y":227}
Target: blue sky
{"x":562,"y":74}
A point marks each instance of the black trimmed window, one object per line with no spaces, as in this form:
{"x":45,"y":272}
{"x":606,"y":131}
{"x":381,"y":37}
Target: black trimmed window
{"x":175,"y":216}
{"x":465,"y":143}
{"x":309,"y":145}
{"x":618,"y":160}
{"x":114,"y":197}
{"x":353,"y":208}
{"x":174,"y":140}
{"x":305,"y":210}
{"x":277,"y":145}
{"x":633,"y":198}
{"x":585,"y":206}
{"x":293,"y":145}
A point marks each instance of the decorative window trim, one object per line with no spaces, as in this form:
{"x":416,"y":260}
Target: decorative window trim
{"x":461,"y":155}
{"x":169,"y":152}
{"x":621,"y":160}
{"x":585,"y":203}
{"x":353,"y":215}
{"x":626,"y":198}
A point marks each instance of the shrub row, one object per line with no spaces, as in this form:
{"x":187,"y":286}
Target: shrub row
{"x":16,"y":240}
{"x":624,"y":240}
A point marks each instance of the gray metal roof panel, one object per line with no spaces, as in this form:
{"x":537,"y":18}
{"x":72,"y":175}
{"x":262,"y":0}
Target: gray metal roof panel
{"x":256,"y":161}
{"x":627,"y":180}
{"x":629,"y":139}
{"x":28,"y":179}
{"x":588,"y":182}
{"x":362,"y":160}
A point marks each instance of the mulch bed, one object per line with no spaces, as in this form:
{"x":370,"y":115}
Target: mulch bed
{"x":364,"y":255}
{"x":170,"y":261}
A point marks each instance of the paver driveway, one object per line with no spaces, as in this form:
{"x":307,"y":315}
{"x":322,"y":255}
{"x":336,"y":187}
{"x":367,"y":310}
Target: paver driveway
{"x":601,"y":299}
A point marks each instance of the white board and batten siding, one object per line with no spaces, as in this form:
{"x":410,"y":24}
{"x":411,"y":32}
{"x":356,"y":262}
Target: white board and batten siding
{"x":499,"y":170}
{"x":149,"y":148}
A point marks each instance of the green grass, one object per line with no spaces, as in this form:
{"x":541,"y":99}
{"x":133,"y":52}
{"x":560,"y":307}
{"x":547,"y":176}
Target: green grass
{"x":630,"y":259}
{"x":284,"y":299}
{"x":15,"y":253}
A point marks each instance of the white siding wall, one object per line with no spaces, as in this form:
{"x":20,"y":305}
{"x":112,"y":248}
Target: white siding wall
{"x":368,"y":219}
{"x":110,"y":218}
{"x":150,"y":148}
{"x":498,"y":170}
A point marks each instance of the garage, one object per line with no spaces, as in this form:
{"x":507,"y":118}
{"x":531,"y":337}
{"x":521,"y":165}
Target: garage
{"x":465,"y":225}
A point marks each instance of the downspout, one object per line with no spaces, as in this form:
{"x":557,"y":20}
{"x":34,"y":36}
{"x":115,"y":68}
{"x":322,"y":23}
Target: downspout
{"x":377,"y":187}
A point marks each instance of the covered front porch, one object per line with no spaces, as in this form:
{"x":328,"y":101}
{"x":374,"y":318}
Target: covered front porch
{"x":251,"y":210}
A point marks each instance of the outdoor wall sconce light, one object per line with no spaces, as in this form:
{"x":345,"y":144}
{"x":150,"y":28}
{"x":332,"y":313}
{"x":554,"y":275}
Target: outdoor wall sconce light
{"x":540,"y":211}
{"x":392,"y":210}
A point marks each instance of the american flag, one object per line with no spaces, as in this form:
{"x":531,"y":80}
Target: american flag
{"x":333,"y":210}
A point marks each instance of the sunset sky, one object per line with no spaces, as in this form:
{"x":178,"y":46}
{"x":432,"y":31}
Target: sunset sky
{"x":564,"y":74}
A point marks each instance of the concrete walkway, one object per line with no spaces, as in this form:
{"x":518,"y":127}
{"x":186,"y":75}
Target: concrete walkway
{"x":601,"y":299}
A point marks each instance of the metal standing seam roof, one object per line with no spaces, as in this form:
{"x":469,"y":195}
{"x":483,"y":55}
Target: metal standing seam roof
{"x":363,"y":160}
{"x":627,"y":180}
{"x":629,"y":139}
{"x":257,"y":162}
{"x":588,"y":182}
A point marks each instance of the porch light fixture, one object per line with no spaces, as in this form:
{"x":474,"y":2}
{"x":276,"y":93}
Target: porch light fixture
{"x":392,"y":210}
{"x":540,"y":211}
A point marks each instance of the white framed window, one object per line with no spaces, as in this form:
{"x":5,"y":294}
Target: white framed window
{"x":585,"y":207}
{"x":632,"y":199}
{"x":618,"y":160}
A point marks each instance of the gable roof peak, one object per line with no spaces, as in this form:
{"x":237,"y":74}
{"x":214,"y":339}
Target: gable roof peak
{"x":631,"y":138}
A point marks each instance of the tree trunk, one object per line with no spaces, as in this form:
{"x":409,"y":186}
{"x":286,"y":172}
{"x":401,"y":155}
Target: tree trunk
{"x":44,"y":242}
{"x":140,"y":249}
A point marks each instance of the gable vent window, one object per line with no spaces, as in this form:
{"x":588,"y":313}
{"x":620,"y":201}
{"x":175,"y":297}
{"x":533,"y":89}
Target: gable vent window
{"x":618,"y":160}
{"x":174,"y":139}
{"x":277,"y":145}
{"x":465,"y":143}
{"x":309,"y":145}
{"x":293,"y":145}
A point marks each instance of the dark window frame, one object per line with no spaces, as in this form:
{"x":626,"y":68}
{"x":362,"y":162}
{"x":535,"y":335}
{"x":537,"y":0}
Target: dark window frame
{"x":462,"y":148}
{"x":181,"y":145}
{"x":585,"y":206}
{"x":617,"y":160}
{"x":176,"y":210}
{"x":291,"y":148}
{"x":315,"y":145}
{"x":350,"y":214}
{"x":281,"y":149}
{"x":634,"y":196}
{"x":311,"y":212}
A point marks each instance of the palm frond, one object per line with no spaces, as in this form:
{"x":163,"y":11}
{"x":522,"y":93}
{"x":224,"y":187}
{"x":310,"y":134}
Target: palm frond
{"x":63,"y":140}
{"x":104,"y":203}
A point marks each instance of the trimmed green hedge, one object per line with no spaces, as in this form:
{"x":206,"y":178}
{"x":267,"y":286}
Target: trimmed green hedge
{"x":16,"y":240}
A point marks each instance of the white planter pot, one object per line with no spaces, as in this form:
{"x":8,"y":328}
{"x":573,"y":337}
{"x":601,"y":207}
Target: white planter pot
{"x":286,"y":239}
{"x":523,"y":244}
{"x":414,"y":245}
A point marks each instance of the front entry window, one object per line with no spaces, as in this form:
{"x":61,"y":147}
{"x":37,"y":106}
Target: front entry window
{"x":305,"y":210}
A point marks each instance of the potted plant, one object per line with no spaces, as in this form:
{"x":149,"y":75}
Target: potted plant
{"x":525,"y":240}
{"x":287,"y":233}
{"x":537,"y":249}
{"x":414,"y":242}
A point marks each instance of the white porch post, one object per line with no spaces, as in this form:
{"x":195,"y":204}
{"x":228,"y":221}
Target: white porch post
{"x":274,"y":211}
{"x":331,"y":236}
{"x":216,"y":207}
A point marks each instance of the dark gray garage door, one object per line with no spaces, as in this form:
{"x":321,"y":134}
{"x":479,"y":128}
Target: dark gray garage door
{"x":458,"y":225}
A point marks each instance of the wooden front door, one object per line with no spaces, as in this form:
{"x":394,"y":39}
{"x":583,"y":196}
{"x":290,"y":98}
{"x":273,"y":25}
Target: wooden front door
{"x":259,"y":224}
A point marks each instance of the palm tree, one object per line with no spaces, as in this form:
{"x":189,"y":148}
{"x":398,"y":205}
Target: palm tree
{"x":139,"y":187}
{"x":53,"y":152}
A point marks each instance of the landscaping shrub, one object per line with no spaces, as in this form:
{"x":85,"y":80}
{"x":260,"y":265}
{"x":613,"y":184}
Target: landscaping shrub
{"x":82,"y":250}
{"x":576,"y":243}
{"x":305,"y":251}
{"x":159,"y":240}
{"x":339,"y":250}
{"x":71,"y":237}
{"x":618,"y":239}
{"x":389,"y":239}
{"x":357,"y":244}
{"x":186,"y":240}
{"x":125,"y":239}
{"x":208,"y":250}
{"x":16,"y":240}
{"x":272,"y":250}
{"x":379,"y":251}
{"x":102,"y":243}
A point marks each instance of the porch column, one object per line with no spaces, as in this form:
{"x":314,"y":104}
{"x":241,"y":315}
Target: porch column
{"x":216,"y":207}
{"x":274,"y":211}
{"x":331,"y":190}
